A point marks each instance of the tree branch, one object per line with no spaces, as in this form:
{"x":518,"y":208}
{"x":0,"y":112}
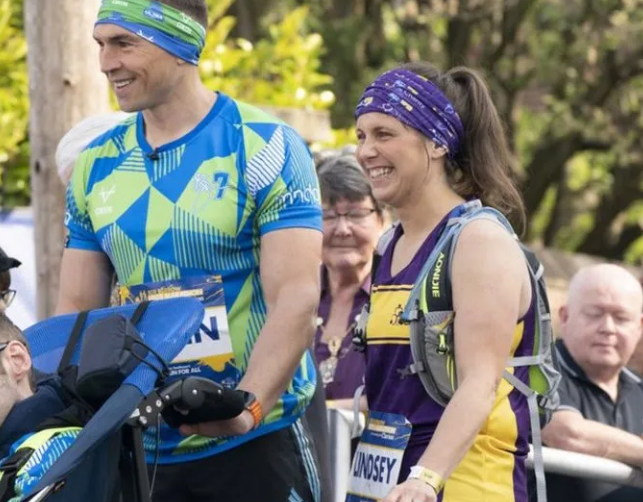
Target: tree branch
{"x":625,"y":191}
{"x":512,"y":20}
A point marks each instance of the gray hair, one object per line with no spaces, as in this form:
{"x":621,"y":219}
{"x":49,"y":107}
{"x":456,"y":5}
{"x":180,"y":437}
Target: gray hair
{"x":81,"y":135}
{"x":342,"y":178}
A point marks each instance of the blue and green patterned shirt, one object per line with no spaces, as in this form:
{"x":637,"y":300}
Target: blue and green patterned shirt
{"x":199,"y":206}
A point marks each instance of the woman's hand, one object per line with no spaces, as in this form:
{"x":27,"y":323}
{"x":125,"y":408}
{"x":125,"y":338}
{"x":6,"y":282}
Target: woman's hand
{"x":412,"y":490}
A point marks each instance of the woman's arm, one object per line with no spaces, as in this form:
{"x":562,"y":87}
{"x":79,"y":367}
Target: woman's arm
{"x":491,"y":291}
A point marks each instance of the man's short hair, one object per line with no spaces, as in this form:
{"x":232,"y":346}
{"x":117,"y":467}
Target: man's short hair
{"x":9,"y":332}
{"x":196,"y":9}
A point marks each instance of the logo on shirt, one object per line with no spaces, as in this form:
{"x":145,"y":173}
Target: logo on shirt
{"x":207,"y":190}
{"x":396,"y":318}
{"x":306,"y":196}
{"x":106,"y":193}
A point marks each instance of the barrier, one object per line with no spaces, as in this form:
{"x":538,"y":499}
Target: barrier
{"x":579,"y":465}
{"x":340,"y":423}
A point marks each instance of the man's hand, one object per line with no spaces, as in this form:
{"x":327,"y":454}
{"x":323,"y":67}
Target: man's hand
{"x":412,"y":490}
{"x":237,"y":426}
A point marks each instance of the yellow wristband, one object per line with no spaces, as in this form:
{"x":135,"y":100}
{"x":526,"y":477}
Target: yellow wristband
{"x":431,"y":478}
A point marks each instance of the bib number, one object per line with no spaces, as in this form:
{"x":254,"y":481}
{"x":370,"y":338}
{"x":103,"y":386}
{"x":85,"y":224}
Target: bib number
{"x":209,"y":354}
{"x":378,"y":459}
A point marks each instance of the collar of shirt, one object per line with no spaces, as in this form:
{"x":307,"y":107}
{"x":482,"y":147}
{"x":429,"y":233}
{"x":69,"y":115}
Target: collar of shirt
{"x":365,"y":288}
{"x":361,"y":297}
{"x":571,"y":367}
{"x":26,"y":415}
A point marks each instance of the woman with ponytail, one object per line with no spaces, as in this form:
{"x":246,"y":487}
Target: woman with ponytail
{"x":431,"y":143}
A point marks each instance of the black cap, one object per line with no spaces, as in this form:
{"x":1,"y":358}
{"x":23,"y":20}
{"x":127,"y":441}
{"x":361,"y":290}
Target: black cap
{"x":7,"y":263}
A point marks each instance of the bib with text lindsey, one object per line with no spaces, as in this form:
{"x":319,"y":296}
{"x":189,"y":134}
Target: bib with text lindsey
{"x":209,"y":354}
{"x":378,"y":459}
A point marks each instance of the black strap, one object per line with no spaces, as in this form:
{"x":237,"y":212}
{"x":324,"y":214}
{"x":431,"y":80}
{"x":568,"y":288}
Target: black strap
{"x":138,"y":313}
{"x":10,"y":468}
{"x":73,"y":341}
{"x":377,"y":259}
{"x":438,"y":282}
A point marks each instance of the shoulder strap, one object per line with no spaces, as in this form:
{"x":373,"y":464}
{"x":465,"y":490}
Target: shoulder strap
{"x":473,"y":210}
{"x":73,"y":341}
{"x":382,"y":244}
{"x":9,"y":471}
{"x":139,"y":312}
{"x":411,"y":311}
{"x":78,"y":329}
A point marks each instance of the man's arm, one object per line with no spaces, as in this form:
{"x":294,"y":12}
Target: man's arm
{"x":569,"y":430}
{"x":85,"y":280}
{"x":290,"y":261}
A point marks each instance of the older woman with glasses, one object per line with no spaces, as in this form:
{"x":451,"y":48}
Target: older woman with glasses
{"x":6,"y":293}
{"x":352,"y":223}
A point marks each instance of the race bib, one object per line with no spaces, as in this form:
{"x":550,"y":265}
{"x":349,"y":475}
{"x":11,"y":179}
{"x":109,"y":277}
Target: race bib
{"x":378,"y":459}
{"x":209,"y":354}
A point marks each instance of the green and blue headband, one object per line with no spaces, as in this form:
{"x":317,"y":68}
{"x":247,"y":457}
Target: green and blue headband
{"x":164,"y":26}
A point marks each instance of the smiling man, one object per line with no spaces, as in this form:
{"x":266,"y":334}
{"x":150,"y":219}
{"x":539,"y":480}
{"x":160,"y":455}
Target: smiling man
{"x":601,"y":410}
{"x":203,"y":194}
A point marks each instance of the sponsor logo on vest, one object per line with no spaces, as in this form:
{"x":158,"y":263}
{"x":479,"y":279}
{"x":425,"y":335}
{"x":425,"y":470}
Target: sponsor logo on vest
{"x":371,"y":467}
{"x":435,"y":280}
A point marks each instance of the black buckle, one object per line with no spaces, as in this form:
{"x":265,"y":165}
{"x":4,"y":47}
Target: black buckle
{"x":16,"y":461}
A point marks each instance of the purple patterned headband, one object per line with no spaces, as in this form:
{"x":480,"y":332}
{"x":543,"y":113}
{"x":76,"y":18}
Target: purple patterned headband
{"x":416,"y":102}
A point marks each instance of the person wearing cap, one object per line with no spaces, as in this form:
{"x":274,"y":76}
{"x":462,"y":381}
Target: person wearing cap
{"x":198,"y":190}
{"x":6,"y":293}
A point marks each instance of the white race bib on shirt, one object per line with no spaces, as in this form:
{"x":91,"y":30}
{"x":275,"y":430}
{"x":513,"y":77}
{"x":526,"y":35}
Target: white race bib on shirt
{"x":209,"y":354}
{"x":378,"y":459}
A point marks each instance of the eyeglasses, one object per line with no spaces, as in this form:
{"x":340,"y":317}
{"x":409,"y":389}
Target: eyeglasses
{"x":355,"y":216}
{"x":7,"y":296}
{"x":3,"y":346}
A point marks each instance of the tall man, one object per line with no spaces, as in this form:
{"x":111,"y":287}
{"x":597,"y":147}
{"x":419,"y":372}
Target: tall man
{"x":201,"y":192}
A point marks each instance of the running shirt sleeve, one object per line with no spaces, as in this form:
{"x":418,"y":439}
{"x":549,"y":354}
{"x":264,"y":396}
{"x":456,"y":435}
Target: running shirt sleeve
{"x":80,"y":230}
{"x":287,"y":191}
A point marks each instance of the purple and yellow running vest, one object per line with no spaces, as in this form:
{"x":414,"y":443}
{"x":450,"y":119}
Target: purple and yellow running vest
{"x":494,"y":467}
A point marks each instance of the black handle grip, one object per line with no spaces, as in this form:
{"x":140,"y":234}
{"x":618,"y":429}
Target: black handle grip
{"x":195,"y":400}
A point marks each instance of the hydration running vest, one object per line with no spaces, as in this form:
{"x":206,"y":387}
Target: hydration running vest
{"x":430,"y":315}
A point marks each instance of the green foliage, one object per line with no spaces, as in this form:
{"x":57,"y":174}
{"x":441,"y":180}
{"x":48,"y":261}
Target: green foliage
{"x":14,"y":107}
{"x":282,"y":69}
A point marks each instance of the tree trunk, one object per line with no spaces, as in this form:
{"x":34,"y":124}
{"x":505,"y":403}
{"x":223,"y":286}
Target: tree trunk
{"x":548,"y":159}
{"x":625,"y":191}
{"x":560,"y":211}
{"x":65,"y":85}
